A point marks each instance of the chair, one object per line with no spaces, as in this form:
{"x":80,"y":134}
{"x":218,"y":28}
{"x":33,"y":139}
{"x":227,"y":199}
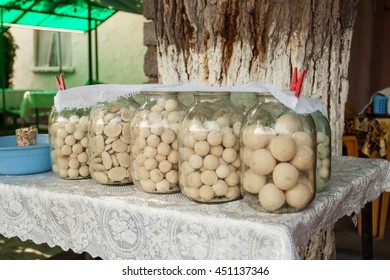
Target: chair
{"x":385,"y":203}
{"x":351,"y":145}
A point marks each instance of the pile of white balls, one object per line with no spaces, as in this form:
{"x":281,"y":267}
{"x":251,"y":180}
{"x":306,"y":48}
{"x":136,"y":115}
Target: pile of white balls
{"x":279,"y":165}
{"x":323,"y":160}
{"x":209,"y":160}
{"x":69,"y":146}
{"x":155,"y":146}
{"x":110,"y":144}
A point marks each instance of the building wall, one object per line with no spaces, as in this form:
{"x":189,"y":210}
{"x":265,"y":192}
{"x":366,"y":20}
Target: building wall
{"x":369,"y":65}
{"x":120,"y":53}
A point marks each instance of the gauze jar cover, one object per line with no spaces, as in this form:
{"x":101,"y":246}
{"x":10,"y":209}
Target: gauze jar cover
{"x":209,"y":162}
{"x":68,"y":134}
{"x":323,"y":150}
{"x":110,"y":141}
{"x":155,"y":146}
{"x":278,"y":153}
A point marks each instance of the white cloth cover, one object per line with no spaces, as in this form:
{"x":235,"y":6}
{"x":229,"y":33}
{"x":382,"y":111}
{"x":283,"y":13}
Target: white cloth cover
{"x":121,"y":222}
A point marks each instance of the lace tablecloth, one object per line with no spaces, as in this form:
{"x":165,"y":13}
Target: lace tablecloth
{"x":121,"y":222}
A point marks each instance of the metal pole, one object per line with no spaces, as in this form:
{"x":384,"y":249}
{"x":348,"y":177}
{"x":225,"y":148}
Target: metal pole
{"x":59,"y":51}
{"x":96,"y":53}
{"x":90,"y":78}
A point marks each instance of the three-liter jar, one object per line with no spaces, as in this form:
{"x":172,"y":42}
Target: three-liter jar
{"x":209,"y":161}
{"x":110,"y":141}
{"x":278,"y":153}
{"x":68,"y":136}
{"x":154,"y":144}
{"x":323,"y":150}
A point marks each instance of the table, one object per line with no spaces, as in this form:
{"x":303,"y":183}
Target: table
{"x":121,"y":222}
{"x":27,"y":102}
{"x":373,"y":135}
{"x":36,"y":101}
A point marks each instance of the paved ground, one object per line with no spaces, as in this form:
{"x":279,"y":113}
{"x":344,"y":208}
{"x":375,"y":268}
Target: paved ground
{"x":348,"y":241}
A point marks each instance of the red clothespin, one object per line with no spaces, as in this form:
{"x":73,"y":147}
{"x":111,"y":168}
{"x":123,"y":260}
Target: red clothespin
{"x":296,"y":83}
{"x":60,"y":81}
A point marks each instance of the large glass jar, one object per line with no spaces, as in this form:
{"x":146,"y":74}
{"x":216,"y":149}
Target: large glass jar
{"x":244,"y":100}
{"x":155,"y":145}
{"x":209,"y":161}
{"x":68,"y":135}
{"x":110,"y":141}
{"x":278,"y":153}
{"x":323,"y":150}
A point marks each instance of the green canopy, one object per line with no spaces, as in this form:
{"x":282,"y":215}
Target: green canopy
{"x":80,"y":15}
{"x":131,"y":6}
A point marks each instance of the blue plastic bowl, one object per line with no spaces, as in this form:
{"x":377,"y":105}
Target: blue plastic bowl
{"x":16,"y":160}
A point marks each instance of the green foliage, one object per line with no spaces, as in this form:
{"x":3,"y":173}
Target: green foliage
{"x":9,"y":57}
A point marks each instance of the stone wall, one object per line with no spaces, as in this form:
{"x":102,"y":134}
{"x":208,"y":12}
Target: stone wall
{"x":150,"y":41}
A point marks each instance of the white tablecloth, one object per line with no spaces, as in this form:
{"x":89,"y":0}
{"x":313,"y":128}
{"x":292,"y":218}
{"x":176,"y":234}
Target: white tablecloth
{"x":121,"y":222}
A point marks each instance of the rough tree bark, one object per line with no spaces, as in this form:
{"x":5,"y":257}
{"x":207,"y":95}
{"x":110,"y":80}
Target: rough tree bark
{"x":228,"y":42}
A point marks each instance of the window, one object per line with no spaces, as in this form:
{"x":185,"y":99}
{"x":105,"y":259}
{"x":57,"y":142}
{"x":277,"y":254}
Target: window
{"x":53,"y":51}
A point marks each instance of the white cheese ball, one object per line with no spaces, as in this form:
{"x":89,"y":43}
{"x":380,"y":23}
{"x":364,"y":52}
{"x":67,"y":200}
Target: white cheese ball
{"x":283,"y":147}
{"x":233,"y":193}
{"x":202,"y":148}
{"x":208,"y":177}
{"x":195,"y":161}
{"x":229,"y":155}
{"x":185,"y":153}
{"x":171,"y":105}
{"x":191,"y":192}
{"x":271,"y":197}
{"x":285,"y":176}
{"x":163,"y":186}
{"x":214,"y":138}
{"x":302,"y":138}
{"x":193,"y":180}
{"x":253,"y":182}
{"x":216,"y":150}
{"x":206,"y":193}
{"x":287,"y":124}
{"x":222,"y":171}
{"x":255,"y":137}
{"x":199,"y":135}
{"x":233,"y":179}
{"x":262,"y":162}
{"x":211,"y":162}
{"x":165,"y":166}
{"x":323,"y":172}
{"x":171,"y":176}
{"x":246,"y":155}
{"x":304,"y":158}
{"x":189,"y":141}
{"x":220,"y":188}
{"x":299,"y":196}
{"x":229,"y":140}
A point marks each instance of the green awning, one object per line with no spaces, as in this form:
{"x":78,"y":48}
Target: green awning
{"x":59,"y":14}
{"x":131,"y":6}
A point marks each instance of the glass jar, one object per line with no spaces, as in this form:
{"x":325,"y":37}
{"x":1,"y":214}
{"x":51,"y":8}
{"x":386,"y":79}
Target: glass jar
{"x":68,"y":136}
{"x":244,"y":100}
{"x":110,"y":141}
{"x":209,"y":161}
{"x":154,"y":145}
{"x":323,"y":150}
{"x":278,"y":154}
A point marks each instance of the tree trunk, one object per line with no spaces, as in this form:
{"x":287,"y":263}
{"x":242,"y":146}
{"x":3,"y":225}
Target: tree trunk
{"x":222,"y":42}
{"x":228,"y":42}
